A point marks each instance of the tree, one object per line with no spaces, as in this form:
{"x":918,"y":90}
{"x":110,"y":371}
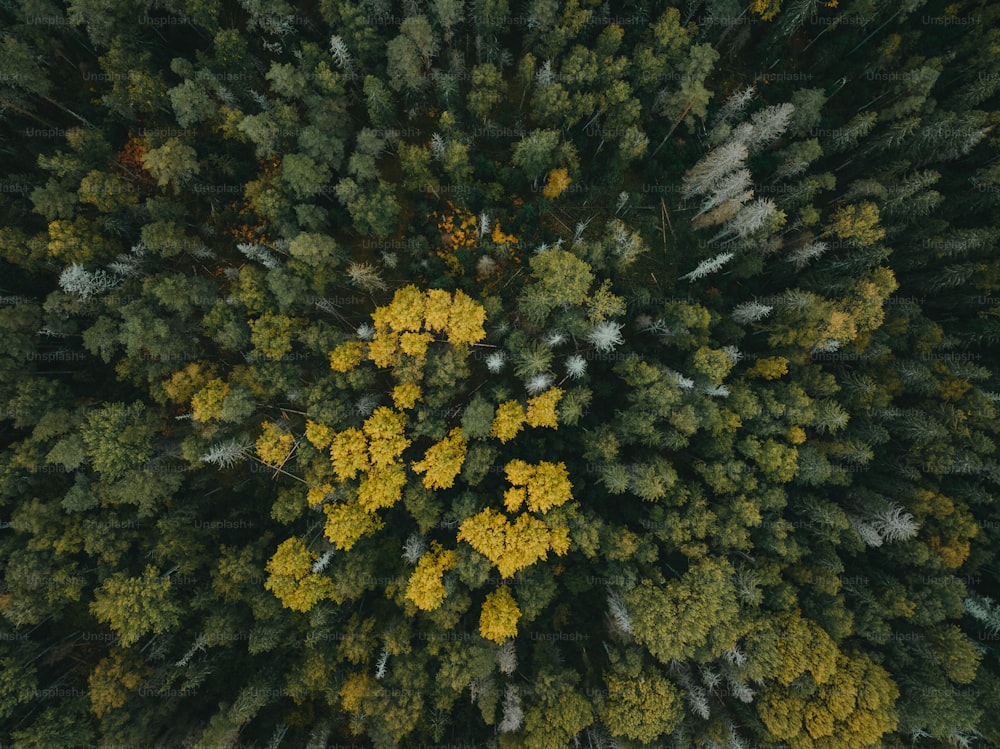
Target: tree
{"x":557,"y":713}
{"x":374,"y":210}
{"x":443,"y":461}
{"x":405,"y":65}
{"x":641,"y":704}
{"x":174,"y":163}
{"x":487,"y":91}
{"x":498,"y":620}
{"x":292,"y":579}
{"x":302,"y":175}
{"x":118,"y":437}
{"x":700,"y":608}
{"x":534,"y":153}
{"x":857,"y":224}
{"x":191,"y":103}
{"x":136,"y":606}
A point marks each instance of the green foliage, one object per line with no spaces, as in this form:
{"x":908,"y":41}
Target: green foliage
{"x":357,"y":387}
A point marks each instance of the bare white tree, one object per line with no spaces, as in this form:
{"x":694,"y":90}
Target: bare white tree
{"x":895,"y":524}
{"x":380,"y":664}
{"x":866,"y":531}
{"x":711,"y":265}
{"x":227,"y":454}
{"x":365,"y":276}
{"x":984,"y":610}
{"x":709,"y":171}
{"x":85,"y":284}
{"x":576,"y":366}
{"x":801,"y":257}
{"x":752,"y":217}
{"x":618,"y":613}
{"x":341,"y":55}
{"x":260,"y":253}
{"x":545,"y":77}
{"x":438,"y":146}
{"x":513,"y":716}
{"x":324,"y":560}
{"x":735,"y":103}
{"x":764,"y":127}
{"x":495,"y":361}
{"x":606,"y":336}
{"x":414,"y":548}
{"x":730,"y":186}
{"x":539,"y":383}
{"x":749,"y":312}
{"x":507,"y":657}
{"x":740,"y":689}
{"x":697,"y":699}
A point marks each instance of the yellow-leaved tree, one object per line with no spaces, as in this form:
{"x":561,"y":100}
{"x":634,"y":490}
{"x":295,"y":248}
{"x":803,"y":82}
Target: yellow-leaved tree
{"x":292,"y":579}
{"x":443,"y":461}
{"x":499,"y":616}
{"x":508,"y":421}
{"x":426,"y":588}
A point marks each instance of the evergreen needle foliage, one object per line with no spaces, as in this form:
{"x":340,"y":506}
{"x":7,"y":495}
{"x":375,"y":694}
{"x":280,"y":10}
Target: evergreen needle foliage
{"x":529,"y":375}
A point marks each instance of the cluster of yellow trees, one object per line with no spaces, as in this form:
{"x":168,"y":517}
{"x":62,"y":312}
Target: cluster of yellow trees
{"x":368,"y":472}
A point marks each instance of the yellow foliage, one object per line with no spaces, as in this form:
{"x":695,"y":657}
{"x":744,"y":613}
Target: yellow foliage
{"x":858,"y":223}
{"x":113,"y":678}
{"x":406,"y":310}
{"x":855,"y":707}
{"x":426,"y":588}
{"x":348,"y":522}
{"x":458,"y":230}
{"x":508,"y":421}
{"x":406,"y":395}
{"x":950,"y":528}
{"x":292,"y":579}
{"x":354,"y":690}
{"x":514,"y":497}
{"x":952,"y":388}
{"x":558,"y":181}
{"x":384,"y":429}
{"x":317,"y":494}
{"x":486,"y":533}
{"x":319,"y":435}
{"x":274,"y":444}
{"x":382,"y":487}
{"x":402,"y":327}
{"x":415,"y":344}
{"x":347,"y":356}
{"x":559,"y":540}
{"x":542,"y":409}
{"x":443,"y":461}
{"x":465,"y":320}
{"x":547,"y":485}
{"x":436,"y":310}
{"x":499,"y":617}
{"x":841,"y":326}
{"x":766,"y":9}
{"x":499,"y":237}
{"x":770,"y":368}
{"x":512,"y":547}
{"x":796,"y":435}
{"x":207,"y":403}
{"x":382,"y":349}
{"x":291,"y":559}
{"x":183,"y":384}
{"x":349,"y":453}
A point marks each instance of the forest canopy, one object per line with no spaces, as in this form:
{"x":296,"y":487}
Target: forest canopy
{"x":518,"y":374}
